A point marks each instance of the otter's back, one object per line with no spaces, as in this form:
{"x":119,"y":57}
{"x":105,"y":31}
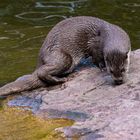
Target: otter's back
{"x":74,"y":31}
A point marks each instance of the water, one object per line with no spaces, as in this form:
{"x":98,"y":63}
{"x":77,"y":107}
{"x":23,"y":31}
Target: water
{"x":17,"y":124}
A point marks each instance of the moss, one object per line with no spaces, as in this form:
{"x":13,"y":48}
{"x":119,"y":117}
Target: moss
{"x":18,"y":124}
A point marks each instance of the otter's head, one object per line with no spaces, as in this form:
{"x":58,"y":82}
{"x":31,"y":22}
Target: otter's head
{"x":117,"y":64}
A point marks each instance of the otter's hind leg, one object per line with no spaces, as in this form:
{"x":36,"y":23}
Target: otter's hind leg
{"x":50,"y":71}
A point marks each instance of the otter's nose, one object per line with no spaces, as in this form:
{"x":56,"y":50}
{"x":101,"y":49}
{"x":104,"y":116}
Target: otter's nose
{"x":118,"y":82}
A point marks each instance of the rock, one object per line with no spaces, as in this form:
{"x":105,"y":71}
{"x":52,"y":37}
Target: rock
{"x":26,"y":102}
{"x":100,"y":109}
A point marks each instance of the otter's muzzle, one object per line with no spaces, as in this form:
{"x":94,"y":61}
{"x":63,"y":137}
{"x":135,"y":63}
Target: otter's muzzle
{"x":118,"y":82}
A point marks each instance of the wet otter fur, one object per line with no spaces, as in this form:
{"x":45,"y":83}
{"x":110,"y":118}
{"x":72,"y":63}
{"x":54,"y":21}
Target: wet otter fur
{"x":70,"y":41}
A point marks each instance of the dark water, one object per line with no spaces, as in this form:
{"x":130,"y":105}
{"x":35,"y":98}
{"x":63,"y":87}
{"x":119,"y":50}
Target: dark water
{"x":25,"y":23}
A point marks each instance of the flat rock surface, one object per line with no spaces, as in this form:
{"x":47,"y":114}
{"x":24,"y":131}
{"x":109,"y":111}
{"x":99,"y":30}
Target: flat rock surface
{"x":100,"y":109}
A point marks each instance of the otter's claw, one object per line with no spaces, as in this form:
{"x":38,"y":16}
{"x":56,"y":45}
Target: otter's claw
{"x":102,"y":67}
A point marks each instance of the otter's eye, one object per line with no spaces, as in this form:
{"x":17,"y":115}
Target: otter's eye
{"x":126,"y":57}
{"x":111,"y":71}
{"x":123,"y":70}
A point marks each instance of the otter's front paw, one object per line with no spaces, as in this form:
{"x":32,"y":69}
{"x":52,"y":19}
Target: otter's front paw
{"x":102,"y":66}
{"x":61,"y":80}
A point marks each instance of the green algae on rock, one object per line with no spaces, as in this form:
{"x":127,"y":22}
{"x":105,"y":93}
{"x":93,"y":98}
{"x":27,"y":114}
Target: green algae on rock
{"x":19,"y":124}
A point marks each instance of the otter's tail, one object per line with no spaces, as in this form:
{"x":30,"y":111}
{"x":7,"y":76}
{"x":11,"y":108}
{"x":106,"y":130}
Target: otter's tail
{"x":22,"y":84}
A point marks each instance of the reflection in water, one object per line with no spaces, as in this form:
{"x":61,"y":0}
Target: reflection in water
{"x":53,"y":6}
{"x":48,"y":11}
{"x":38,"y":16}
{"x":136,"y":5}
{"x":26,"y":41}
{"x":32,"y":15}
{"x":3,"y":38}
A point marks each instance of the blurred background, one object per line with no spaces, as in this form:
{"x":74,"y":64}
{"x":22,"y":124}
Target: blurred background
{"x":24,"y":25}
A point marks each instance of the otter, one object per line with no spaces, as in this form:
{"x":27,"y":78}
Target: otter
{"x":67,"y":43}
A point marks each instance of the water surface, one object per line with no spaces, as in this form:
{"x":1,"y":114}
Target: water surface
{"x":18,"y":124}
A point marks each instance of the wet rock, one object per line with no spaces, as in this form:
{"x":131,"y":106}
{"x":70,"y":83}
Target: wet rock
{"x":27,"y":102}
{"x":52,"y":113}
{"x":92,"y":136}
{"x":100,"y":109}
{"x":82,"y":134}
